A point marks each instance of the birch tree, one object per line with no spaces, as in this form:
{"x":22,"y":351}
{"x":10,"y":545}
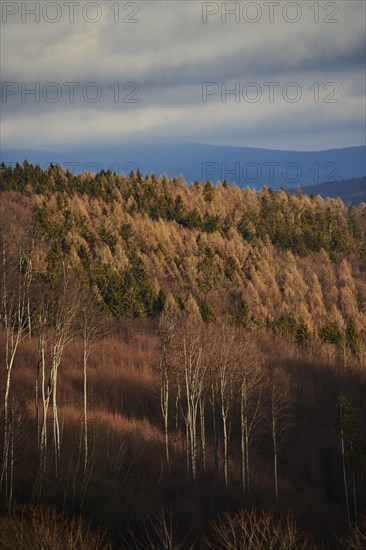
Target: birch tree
{"x":167,"y":326}
{"x":194,"y":366}
{"x":353,"y":449}
{"x":61,"y":311}
{"x":213,"y":399}
{"x":90,"y":332}
{"x":280,"y":405}
{"x":225,"y":375}
{"x":250,"y":378}
{"x":15,"y":281}
{"x":41,"y":324}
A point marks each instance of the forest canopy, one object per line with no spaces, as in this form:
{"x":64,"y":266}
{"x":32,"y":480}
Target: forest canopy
{"x":262,"y":259}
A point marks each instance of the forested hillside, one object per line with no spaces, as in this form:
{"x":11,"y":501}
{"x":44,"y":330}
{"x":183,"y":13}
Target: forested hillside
{"x":178,"y":361}
{"x":260,"y":259}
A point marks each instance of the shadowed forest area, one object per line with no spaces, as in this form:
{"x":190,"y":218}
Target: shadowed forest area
{"x":182,"y":366}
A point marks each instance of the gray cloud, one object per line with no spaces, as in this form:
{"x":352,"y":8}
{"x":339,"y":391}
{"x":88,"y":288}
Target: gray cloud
{"x":169,"y":53}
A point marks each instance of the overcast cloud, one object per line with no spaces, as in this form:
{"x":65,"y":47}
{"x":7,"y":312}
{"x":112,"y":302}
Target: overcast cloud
{"x":161,"y":63}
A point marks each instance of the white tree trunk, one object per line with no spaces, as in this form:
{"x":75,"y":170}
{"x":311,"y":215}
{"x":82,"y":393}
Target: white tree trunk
{"x":203,"y":436}
{"x":344,"y":468}
{"x":85,"y":362}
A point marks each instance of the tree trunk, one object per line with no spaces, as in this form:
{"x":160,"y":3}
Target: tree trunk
{"x":56,"y":426}
{"x":344,"y":467}
{"x":216,"y":450}
{"x":85,"y":362}
{"x":275,"y":474}
{"x":354,"y":489}
{"x":40,"y":371}
{"x":247,"y":454}
{"x":242,"y":433}
{"x":165,"y":409}
{"x":225,"y":442}
{"x":10,"y":356}
{"x":177,"y":418}
{"x":194,"y":440}
{"x":244,"y":439}
{"x":203,"y":436}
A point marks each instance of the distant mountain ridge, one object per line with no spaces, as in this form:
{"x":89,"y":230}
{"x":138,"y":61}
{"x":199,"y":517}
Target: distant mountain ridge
{"x":246,"y":166}
{"x":349,"y":191}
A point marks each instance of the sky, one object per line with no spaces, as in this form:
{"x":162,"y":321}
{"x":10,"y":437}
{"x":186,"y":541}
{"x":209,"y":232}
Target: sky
{"x":278,"y":75}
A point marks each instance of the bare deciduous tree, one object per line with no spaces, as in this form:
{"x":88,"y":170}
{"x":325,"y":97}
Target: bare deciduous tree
{"x":61,"y":310}
{"x":167,"y":326}
{"x":159,"y":535}
{"x":90,"y":331}
{"x":250,"y":375}
{"x":353,"y":447}
{"x":194,"y":366}
{"x":15,"y":281}
{"x":256,"y":531}
{"x":280,"y":409}
{"x":224,"y":372}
